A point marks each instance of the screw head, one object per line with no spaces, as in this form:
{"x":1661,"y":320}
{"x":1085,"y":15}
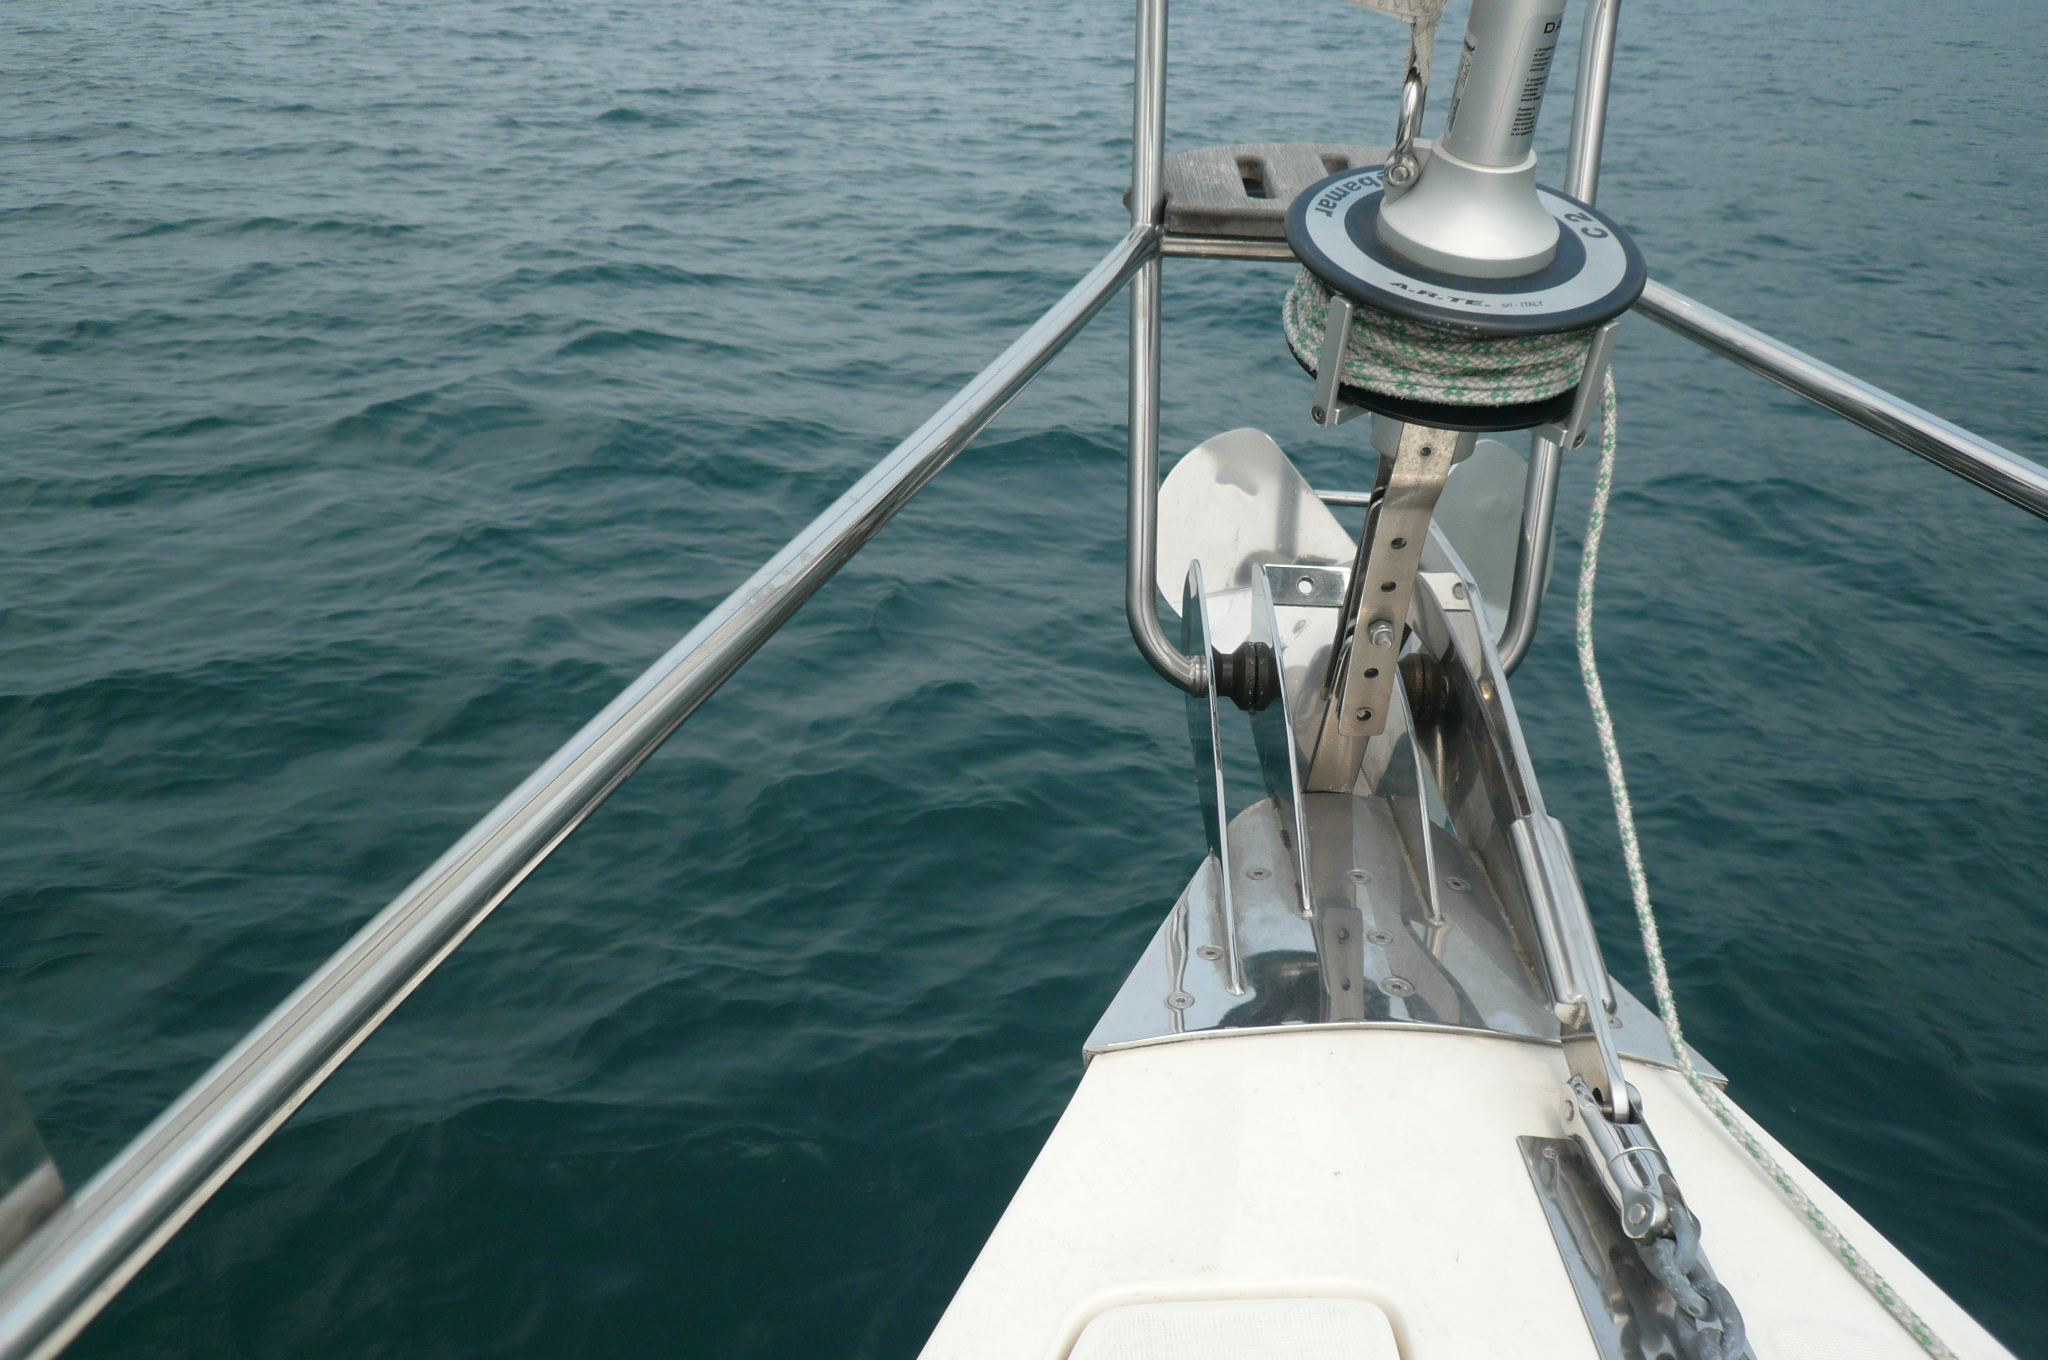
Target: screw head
{"x":1378,"y":937}
{"x":1637,"y":1213}
{"x":1360,"y":876}
{"x":1398,"y":986}
{"x":1364,"y":714}
{"x":1315,"y":413}
{"x":1456,"y":884}
{"x":1180,"y":1001}
{"x":1258,"y":872}
{"x":1209,"y":951}
{"x":1305,"y":586}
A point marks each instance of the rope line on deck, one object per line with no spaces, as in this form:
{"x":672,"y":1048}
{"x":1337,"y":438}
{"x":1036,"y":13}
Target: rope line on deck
{"x":1653,"y":948}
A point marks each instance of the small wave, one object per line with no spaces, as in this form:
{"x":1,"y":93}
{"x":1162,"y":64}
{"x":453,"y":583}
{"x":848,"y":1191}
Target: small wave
{"x":625,"y":117}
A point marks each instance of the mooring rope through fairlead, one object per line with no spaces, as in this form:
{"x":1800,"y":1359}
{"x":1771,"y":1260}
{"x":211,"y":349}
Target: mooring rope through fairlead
{"x":1653,"y":949}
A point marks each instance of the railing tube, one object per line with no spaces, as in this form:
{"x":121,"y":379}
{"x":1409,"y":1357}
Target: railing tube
{"x":1589,"y":100}
{"x":1536,"y":547}
{"x":1972,"y":457}
{"x":1148,"y":212}
{"x":67,"y":1271}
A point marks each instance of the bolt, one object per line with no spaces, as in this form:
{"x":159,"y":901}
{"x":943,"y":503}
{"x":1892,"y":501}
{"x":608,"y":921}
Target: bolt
{"x":1398,"y":986}
{"x":1210,"y":951}
{"x":1381,"y":633}
{"x":1257,"y":874}
{"x":1180,"y":1001}
{"x":1457,"y":884}
{"x":1458,"y":591}
{"x":1315,"y":413}
{"x":1637,"y":1213}
{"x":1343,"y":934}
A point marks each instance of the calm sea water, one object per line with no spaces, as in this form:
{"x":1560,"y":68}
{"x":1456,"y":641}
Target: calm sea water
{"x":387,"y":384}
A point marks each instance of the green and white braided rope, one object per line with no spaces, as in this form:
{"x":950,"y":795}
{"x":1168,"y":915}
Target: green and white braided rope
{"x":1403,"y":358}
{"x":1639,"y":888}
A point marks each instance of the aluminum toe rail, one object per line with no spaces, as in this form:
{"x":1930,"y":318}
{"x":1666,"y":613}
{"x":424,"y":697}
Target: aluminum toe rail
{"x":68,"y":1270}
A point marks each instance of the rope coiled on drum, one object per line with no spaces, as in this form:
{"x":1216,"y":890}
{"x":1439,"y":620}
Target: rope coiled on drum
{"x":1398,"y":357}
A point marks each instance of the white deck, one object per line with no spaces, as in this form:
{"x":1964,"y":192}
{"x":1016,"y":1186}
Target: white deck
{"x":1381,"y":1164}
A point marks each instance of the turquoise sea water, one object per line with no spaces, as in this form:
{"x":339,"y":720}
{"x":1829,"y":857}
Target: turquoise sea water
{"x":387,"y":384}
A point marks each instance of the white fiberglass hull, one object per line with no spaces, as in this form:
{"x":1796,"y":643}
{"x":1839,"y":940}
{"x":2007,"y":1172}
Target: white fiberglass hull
{"x":1381,"y":1164}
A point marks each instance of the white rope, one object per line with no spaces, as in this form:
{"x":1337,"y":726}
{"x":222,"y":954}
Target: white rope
{"x":1403,"y":358}
{"x":1639,"y":888}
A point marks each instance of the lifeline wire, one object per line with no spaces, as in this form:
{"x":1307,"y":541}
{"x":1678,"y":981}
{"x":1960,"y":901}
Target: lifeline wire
{"x":1639,"y":888}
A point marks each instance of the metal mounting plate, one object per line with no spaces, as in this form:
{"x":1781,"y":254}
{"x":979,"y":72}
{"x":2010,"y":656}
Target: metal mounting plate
{"x":1629,"y":1312}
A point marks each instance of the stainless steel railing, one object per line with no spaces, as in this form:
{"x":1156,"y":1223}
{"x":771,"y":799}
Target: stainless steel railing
{"x":1148,"y":210}
{"x":1971,"y":457}
{"x":68,"y":1270}
{"x":71,"y":1266}
{"x":1533,"y":550}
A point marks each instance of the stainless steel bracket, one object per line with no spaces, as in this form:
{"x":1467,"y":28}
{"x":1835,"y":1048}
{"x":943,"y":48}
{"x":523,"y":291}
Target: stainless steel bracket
{"x":1363,"y":665}
{"x":1625,"y":1156}
{"x":1571,"y":433}
{"x":1205,"y":736}
{"x":1330,"y":410}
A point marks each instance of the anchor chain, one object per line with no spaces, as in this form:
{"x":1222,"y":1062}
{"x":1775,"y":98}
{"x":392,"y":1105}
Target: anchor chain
{"x":1708,"y":1324}
{"x":1651,"y":1210}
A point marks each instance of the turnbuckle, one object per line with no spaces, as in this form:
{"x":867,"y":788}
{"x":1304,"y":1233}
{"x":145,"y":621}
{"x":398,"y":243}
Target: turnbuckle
{"x":1626,"y":1157}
